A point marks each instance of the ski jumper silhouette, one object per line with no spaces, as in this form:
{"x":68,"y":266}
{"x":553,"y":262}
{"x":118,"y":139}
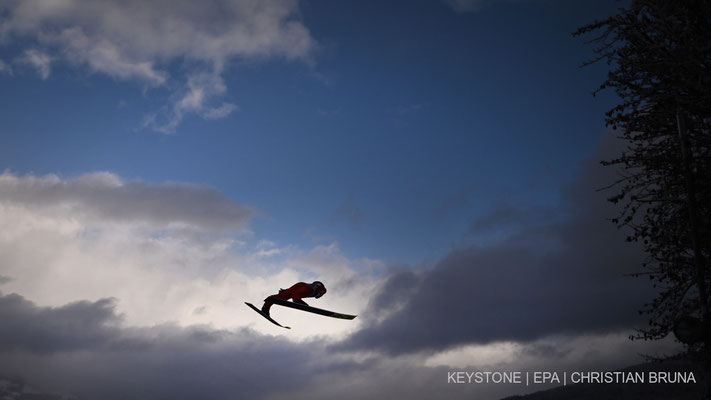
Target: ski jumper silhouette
{"x":296,"y":292}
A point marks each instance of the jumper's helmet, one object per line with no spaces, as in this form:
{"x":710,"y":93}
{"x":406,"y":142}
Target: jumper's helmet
{"x":319,"y":289}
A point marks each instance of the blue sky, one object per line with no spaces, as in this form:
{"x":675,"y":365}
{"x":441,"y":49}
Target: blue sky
{"x":416,"y":117}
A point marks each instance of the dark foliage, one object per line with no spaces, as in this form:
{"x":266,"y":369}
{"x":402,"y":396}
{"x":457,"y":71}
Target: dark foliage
{"x":659,"y":53}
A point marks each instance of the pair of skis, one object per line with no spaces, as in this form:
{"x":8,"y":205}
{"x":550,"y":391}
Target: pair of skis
{"x":301,"y":307}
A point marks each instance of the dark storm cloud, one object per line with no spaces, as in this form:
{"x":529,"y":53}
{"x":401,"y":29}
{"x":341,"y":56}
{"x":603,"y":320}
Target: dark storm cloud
{"x":561,"y":277}
{"x":30,"y":328}
{"x":106,"y":196}
{"x":79,"y":350}
{"x":395,"y":292}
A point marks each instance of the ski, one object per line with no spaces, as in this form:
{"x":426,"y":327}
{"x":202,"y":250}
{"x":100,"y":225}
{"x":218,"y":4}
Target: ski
{"x":265,"y":315}
{"x":309,"y":309}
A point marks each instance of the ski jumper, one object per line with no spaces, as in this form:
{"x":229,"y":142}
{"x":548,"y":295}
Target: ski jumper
{"x":297,"y":292}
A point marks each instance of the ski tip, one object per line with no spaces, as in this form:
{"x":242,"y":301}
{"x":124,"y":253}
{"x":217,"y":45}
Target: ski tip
{"x":269,"y":318}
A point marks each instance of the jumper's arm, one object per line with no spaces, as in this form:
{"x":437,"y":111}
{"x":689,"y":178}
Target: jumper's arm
{"x":299,"y":301}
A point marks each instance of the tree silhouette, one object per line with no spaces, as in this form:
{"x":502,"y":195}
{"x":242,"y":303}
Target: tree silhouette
{"x":659,"y":57}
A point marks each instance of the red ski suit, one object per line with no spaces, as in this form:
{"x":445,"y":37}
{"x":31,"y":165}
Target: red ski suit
{"x":295,"y":292}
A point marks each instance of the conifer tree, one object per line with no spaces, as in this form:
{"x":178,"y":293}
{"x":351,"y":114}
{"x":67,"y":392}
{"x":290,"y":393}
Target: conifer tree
{"x":659,"y":57}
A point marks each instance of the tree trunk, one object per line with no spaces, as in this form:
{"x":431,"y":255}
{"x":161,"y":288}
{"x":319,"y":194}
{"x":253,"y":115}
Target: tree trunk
{"x":695,"y":236}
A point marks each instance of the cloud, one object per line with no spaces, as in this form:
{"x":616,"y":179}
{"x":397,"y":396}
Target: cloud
{"x":5,"y":68}
{"x":33,"y":329}
{"x":421,"y":377}
{"x":107,"y":196}
{"x":105,"y":56}
{"x":219,"y":112}
{"x":138,"y":41}
{"x":463,"y":6}
{"x":350,"y":212}
{"x":38,"y":60}
{"x":201,"y":87}
{"x":136,"y":32}
{"x":91,"y":358}
{"x":505,"y":216}
{"x":76,"y":349}
{"x":564,"y":276}
{"x":393,"y":294}
{"x":80,"y":350}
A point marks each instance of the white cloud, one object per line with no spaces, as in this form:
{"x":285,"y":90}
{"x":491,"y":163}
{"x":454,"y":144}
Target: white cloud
{"x":105,"y":56}
{"x":138,"y":40}
{"x":200,"y":88}
{"x":219,"y":112}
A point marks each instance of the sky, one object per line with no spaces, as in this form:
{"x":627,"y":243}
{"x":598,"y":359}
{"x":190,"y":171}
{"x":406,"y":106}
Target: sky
{"x":434,"y":163}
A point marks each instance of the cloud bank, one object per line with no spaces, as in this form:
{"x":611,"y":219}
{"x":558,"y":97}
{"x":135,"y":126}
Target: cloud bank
{"x":553,"y":276}
{"x":81,"y":350}
{"x":84,"y":353}
{"x":106,"y":196}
